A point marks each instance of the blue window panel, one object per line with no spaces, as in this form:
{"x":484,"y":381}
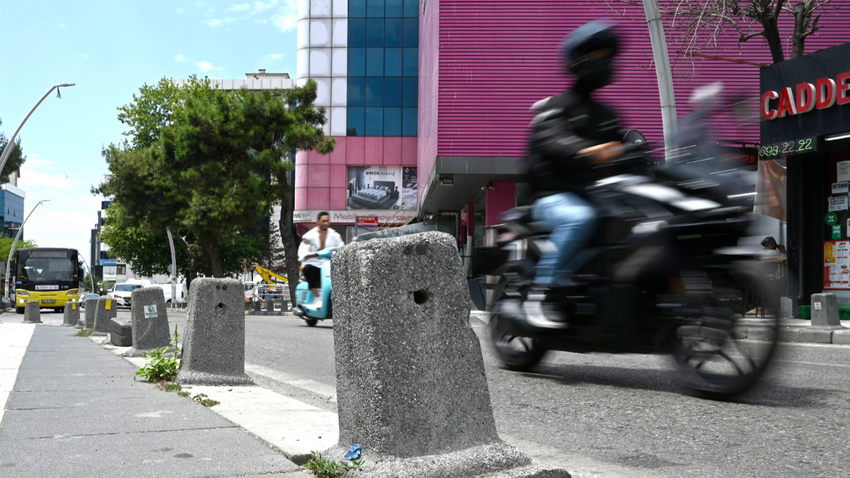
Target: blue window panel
{"x":356,"y":62}
{"x":411,"y":8}
{"x":411,"y":32}
{"x":374,"y":92}
{"x":375,"y":8}
{"x":375,"y":32}
{"x":374,"y":62}
{"x":395,"y":8}
{"x":392,"y":33}
{"x":410,"y":121}
{"x":356,"y":8}
{"x":356,"y":92}
{"x":392,"y":62}
{"x":374,"y":121}
{"x":392,"y":92}
{"x":392,"y":121}
{"x":356,"y":122}
{"x":410,"y":62}
{"x":411,"y":92}
{"x":356,"y":32}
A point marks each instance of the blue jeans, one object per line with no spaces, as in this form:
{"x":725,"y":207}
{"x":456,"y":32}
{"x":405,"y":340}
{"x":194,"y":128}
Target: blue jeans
{"x":572,"y":220}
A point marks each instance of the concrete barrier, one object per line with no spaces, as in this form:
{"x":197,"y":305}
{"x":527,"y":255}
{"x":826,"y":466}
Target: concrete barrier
{"x":106,"y":310}
{"x":214,"y":346}
{"x":72,"y":314}
{"x":825,"y":311}
{"x":269,"y":307}
{"x":32,"y":312}
{"x":149,"y":319}
{"x":411,"y":387}
{"x":91,"y":310}
{"x":258,"y":307}
{"x":120,"y":332}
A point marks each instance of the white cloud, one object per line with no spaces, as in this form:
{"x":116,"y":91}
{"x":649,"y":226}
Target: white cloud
{"x":213,"y":22}
{"x":86,"y":56}
{"x":178,"y":57}
{"x":206,"y":66}
{"x":67,"y":219}
{"x":61,"y":25}
{"x":181,"y":10}
{"x":282,"y":13}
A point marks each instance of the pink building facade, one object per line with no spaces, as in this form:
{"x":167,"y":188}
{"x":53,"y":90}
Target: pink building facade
{"x":481,"y":65}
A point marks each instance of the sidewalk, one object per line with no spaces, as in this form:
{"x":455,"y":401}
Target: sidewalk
{"x":75,"y":410}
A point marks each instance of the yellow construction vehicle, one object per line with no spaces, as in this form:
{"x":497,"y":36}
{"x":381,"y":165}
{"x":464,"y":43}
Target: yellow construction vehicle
{"x":274,"y":286}
{"x":270,"y":276}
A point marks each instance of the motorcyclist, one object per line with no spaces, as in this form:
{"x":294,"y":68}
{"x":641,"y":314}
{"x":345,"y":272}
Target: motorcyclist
{"x":571,"y":134}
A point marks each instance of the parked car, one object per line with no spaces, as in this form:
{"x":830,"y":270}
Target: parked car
{"x":83,"y":298}
{"x":123,"y":294}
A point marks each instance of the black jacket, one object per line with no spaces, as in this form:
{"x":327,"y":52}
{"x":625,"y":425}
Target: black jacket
{"x":565,"y":124}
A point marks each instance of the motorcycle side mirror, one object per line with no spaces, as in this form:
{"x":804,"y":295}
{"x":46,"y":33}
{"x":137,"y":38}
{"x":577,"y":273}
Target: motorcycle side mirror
{"x":635,"y":137}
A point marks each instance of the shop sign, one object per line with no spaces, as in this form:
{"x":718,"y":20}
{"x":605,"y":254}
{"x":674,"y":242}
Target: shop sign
{"x":842,"y":187}
{"x":836,"y":265}
{"x":838,"y":203}
{"x":805,"y":97}
{"x":842,"y":169}
{"x":836,"y":233}
{"x":367,"y":220}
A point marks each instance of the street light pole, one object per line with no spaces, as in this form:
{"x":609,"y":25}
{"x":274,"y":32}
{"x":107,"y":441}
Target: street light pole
{"x":173,"y":268}
{"x":662,"y":72}
{"x":10,"y":145}
{"x":14,"y":244}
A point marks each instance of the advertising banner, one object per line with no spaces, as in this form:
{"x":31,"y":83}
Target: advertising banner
{"x":385,"y":218}
{"x":374,"y":187}
{"x":409,"y":192}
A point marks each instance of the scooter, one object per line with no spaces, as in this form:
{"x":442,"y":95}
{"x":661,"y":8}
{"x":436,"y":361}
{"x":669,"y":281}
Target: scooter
{"x":305,"y":297}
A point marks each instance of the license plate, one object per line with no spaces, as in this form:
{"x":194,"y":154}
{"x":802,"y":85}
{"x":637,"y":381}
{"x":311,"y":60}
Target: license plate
{"x":48,"y":301}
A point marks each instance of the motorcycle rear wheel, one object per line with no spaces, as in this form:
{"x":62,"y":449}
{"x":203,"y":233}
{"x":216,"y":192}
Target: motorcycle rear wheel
{"x":723,"y":352}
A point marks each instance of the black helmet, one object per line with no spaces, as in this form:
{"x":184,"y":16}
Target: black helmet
{"x":594,"y":36}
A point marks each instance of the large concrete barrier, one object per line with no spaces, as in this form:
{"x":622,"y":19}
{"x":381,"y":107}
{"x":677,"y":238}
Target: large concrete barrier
{"x":214,"y":345}
{"x":105,"y":311}
{"x":149,"y":321}
{"x":32,"y":312}
{"x":411,"y":387}
{"x":91,"y":311}
{"x":72,"y":314}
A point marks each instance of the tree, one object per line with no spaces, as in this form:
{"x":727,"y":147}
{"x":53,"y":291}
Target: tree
{"x":6,"y":246}
{"x":14,"y":162}
{"x":698,"y":24}
{"x":209,"y":164}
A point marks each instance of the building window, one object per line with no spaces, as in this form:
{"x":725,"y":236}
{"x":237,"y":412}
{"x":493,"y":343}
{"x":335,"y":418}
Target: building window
{"x":121,"y":270}
{"x":357,"y":8}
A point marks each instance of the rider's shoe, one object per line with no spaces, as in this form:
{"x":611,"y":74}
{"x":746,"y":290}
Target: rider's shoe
{"x":541,"y":313}
{"x":317,"y":304}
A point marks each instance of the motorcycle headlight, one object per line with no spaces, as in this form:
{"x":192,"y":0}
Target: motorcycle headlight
{"x":23,"y":293}
{"x":73,"y":292}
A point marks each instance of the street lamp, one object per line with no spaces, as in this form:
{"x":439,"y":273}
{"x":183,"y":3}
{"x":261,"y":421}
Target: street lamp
{"x":10,"y":145}
{"x":15,"y":243}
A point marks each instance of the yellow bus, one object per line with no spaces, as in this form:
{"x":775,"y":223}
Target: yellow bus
{"x":49,"y":276}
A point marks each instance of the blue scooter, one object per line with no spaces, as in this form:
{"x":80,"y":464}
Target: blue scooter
{"x":306,"y":298}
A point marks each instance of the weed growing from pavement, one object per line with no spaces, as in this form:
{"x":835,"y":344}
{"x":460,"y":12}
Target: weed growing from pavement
{"x":204,"y":400}
{"x":324,"y":468}
{"x":160,"y":368}
{"x":83,"y":333}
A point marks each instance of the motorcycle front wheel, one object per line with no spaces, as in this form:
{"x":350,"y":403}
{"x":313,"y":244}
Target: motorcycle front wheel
{"x":515,"y":352}
{"x":726,"y":346}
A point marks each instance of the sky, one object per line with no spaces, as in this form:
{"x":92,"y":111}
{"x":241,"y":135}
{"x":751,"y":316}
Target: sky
{"x":109,"y":49}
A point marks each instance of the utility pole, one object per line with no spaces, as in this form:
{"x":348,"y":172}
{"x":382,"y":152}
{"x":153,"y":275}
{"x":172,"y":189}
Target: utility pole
{"x":662,"y":72}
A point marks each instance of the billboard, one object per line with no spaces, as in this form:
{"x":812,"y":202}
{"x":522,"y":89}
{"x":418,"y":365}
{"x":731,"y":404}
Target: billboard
{"x":381,"y":188}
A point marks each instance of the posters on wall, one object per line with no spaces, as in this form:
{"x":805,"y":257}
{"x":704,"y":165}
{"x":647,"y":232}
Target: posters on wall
{"x":836,"y":265}
{"x":838,"y":203}
{"x":381,"y":188}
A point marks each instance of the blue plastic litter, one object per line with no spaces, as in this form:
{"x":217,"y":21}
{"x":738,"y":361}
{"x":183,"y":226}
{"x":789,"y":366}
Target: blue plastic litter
{"x":353,"y":452}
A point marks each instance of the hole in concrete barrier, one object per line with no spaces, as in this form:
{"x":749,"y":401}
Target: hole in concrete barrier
{"x":422,"y":249}
{"x":224,"y":287}
{"x":421,"y":296}
{"x":220,"y":305}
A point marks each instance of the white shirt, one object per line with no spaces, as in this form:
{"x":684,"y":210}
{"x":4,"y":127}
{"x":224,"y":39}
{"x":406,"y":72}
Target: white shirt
{"x":311,"y":243}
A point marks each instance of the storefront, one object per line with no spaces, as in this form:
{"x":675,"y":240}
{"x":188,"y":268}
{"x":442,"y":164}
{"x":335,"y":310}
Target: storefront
{"x":805,"y":109}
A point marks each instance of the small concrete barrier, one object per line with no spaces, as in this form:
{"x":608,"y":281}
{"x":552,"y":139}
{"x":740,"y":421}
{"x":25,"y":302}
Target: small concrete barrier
{"x":105,"y":311}
{"x":72,"y":314}
{"x":32,"y":313}
{"x":214,"y":346}
{"x":269,"y":307}
{"x":825,"y":311}
{"x":411,"y":387}
{"x":257,"y":307}
{"x":149,"y":319}
{"x":120,"y":332}
{"x":91,"y":311}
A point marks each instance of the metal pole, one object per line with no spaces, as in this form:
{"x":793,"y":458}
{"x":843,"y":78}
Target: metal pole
{"x":173,"y":268}
{"x":11,"y":144}
{"x":14,"y":244}
{"x":662,"y":72}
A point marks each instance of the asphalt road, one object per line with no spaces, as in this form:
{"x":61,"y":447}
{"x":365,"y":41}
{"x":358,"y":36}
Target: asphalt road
{"x":619,"y":415}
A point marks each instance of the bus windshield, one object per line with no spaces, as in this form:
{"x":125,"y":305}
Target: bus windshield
{"x":46,"y":266}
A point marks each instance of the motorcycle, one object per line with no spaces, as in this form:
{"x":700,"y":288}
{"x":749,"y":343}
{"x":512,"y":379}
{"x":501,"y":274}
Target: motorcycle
{"x":305,"y":297}
{"x":661,"y":275}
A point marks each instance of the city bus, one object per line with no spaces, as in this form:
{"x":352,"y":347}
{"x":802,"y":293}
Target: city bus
{"x":49,"y":276}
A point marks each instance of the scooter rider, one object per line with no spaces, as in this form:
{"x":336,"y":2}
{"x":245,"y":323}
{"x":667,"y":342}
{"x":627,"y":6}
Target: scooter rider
{"x":316,"y":239}
{"x":571,"y":133}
